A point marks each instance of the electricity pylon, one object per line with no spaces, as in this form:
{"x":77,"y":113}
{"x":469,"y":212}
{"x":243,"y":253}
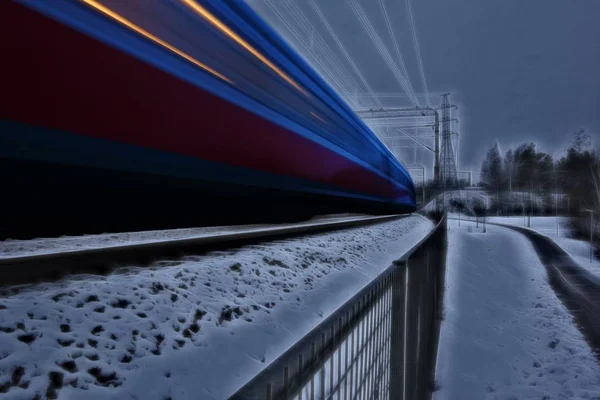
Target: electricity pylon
{"x":448,"y":176}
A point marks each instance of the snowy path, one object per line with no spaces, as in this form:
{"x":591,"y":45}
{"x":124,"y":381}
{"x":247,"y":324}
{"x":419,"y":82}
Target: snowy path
{"x":505,"y":334}
{"x":197,"y":328}
{"x":579,"y":250}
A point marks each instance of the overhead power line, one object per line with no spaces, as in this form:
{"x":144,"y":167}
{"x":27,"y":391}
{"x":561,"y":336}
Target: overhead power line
{"x":333,"y":79}
{"x":327,"y":52}
{"x":360,"y":14}
{"x":417,"y":49}
{"x":397,"y":95}
{"x":414,"y":139}
{"x":349,"y":59}
{"x":395,"y":42}
{"x":344,"y":51}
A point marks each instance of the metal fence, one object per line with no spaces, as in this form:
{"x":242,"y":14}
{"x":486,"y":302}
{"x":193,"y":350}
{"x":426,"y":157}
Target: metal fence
{"x":381,"y":344}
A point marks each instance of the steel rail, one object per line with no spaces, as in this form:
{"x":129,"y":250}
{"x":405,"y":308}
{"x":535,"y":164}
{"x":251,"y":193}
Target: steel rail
{"x":52,"y":266}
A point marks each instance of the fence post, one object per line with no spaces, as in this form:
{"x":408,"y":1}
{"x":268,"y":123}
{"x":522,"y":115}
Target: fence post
{"x":322,"y":358}
{"x":426,"y":324}
{"x":300,"y":370}
{"x":413,"y":310}
{"x":397,"y":333}
{"x":388,"y":343}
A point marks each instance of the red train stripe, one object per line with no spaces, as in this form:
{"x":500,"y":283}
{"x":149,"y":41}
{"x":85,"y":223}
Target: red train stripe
{"x":60,"y":78}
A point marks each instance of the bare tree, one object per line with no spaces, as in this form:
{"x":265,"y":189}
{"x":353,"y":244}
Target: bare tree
{"x":581,"y":141}
{"x":595,"y":178}
{"x":480,"y":210}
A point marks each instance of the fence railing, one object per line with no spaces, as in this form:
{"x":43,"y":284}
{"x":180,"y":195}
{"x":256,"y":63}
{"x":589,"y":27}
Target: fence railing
{"x":381,"y":344}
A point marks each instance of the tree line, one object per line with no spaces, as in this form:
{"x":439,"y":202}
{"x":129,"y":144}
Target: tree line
{"x":575,"y":177}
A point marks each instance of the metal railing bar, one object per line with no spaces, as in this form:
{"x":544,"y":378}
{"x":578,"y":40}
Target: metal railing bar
{"x":372,"y":350}
{"x":322,"y":380}
{"x":357,"y":317}
{"x":312,"y":367}
{"x":372,"y":366}
{"x":313,"y":353}
{"x":355,"y":360}
{"x":364,"y":380}
{"x":346,"y":363}
{"x":350,"y":366}
{"x":331,"y":365}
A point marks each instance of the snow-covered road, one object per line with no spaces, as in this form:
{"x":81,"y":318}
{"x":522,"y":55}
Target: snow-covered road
{"x":197,"y":328}
{"x":505,"y":334}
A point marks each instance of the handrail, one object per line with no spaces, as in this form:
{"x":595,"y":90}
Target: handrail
{"x":370,"y":338}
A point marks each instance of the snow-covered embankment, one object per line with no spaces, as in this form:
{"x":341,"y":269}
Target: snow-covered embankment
{"x":197,"y":328}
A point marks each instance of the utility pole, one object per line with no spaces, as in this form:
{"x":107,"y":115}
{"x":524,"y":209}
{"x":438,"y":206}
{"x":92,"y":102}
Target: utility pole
{"x":530,"y":207}
{"x":436,"y":165}
{"x":415,"y":155}
{"x":556,"y":200}
{"x":456,"y":155}
{"x":591,"y":234}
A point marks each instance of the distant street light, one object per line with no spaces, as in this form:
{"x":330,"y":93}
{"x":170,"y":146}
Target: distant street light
{"x":591,"y":233}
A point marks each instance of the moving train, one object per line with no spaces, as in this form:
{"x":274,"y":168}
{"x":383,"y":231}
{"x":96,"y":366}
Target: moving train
{"x":151,"y":114}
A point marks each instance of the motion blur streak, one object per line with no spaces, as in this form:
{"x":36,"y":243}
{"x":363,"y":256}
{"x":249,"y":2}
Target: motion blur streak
{"x":223,"y":28}
{"x":319,"y":118}
{"x":117,"y":17}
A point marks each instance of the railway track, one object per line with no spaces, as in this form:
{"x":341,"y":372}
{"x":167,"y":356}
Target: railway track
{"x":33,"y":268}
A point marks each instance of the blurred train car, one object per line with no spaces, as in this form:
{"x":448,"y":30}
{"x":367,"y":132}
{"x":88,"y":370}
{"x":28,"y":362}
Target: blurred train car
{"x":151,"y":114}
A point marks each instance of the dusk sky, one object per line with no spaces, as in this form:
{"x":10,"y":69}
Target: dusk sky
{"x":519,"y":70}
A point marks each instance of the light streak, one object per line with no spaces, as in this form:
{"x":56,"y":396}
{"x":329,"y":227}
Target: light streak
{"x":204,"y":13}
{"x":319,"y":118}
{"x":110,"y":13}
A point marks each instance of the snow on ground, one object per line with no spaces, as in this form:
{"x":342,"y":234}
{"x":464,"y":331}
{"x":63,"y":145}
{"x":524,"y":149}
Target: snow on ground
{"x":579,"y":250}
{"x":468,"y":197}
{"x":196,"y":328}
{"x":544,"y":225}
{"x":523,"y":198}
{"x":505,"y":334}
{"x":17,"y":248}
{"x":490,"y":199}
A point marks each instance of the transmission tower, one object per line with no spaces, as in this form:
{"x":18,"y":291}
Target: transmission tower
{"x":448,"y":176}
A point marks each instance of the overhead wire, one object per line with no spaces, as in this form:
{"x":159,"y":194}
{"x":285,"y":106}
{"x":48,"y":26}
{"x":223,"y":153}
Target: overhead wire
{"x":414,"y":139}
{"x":343,"y":74}
{"x":331,"y":75}
{"x":397,"y":95}
{"x":204,"y":13}
{"x":334,"y":60}
{"x":344,"y":51}
{"x":304,"y":23}
{"x":417,"y":49}
{"x":303,"y":30}
{"x":363,"y":19}
{"x":354,"y":67}
{"x":395,"y":42}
